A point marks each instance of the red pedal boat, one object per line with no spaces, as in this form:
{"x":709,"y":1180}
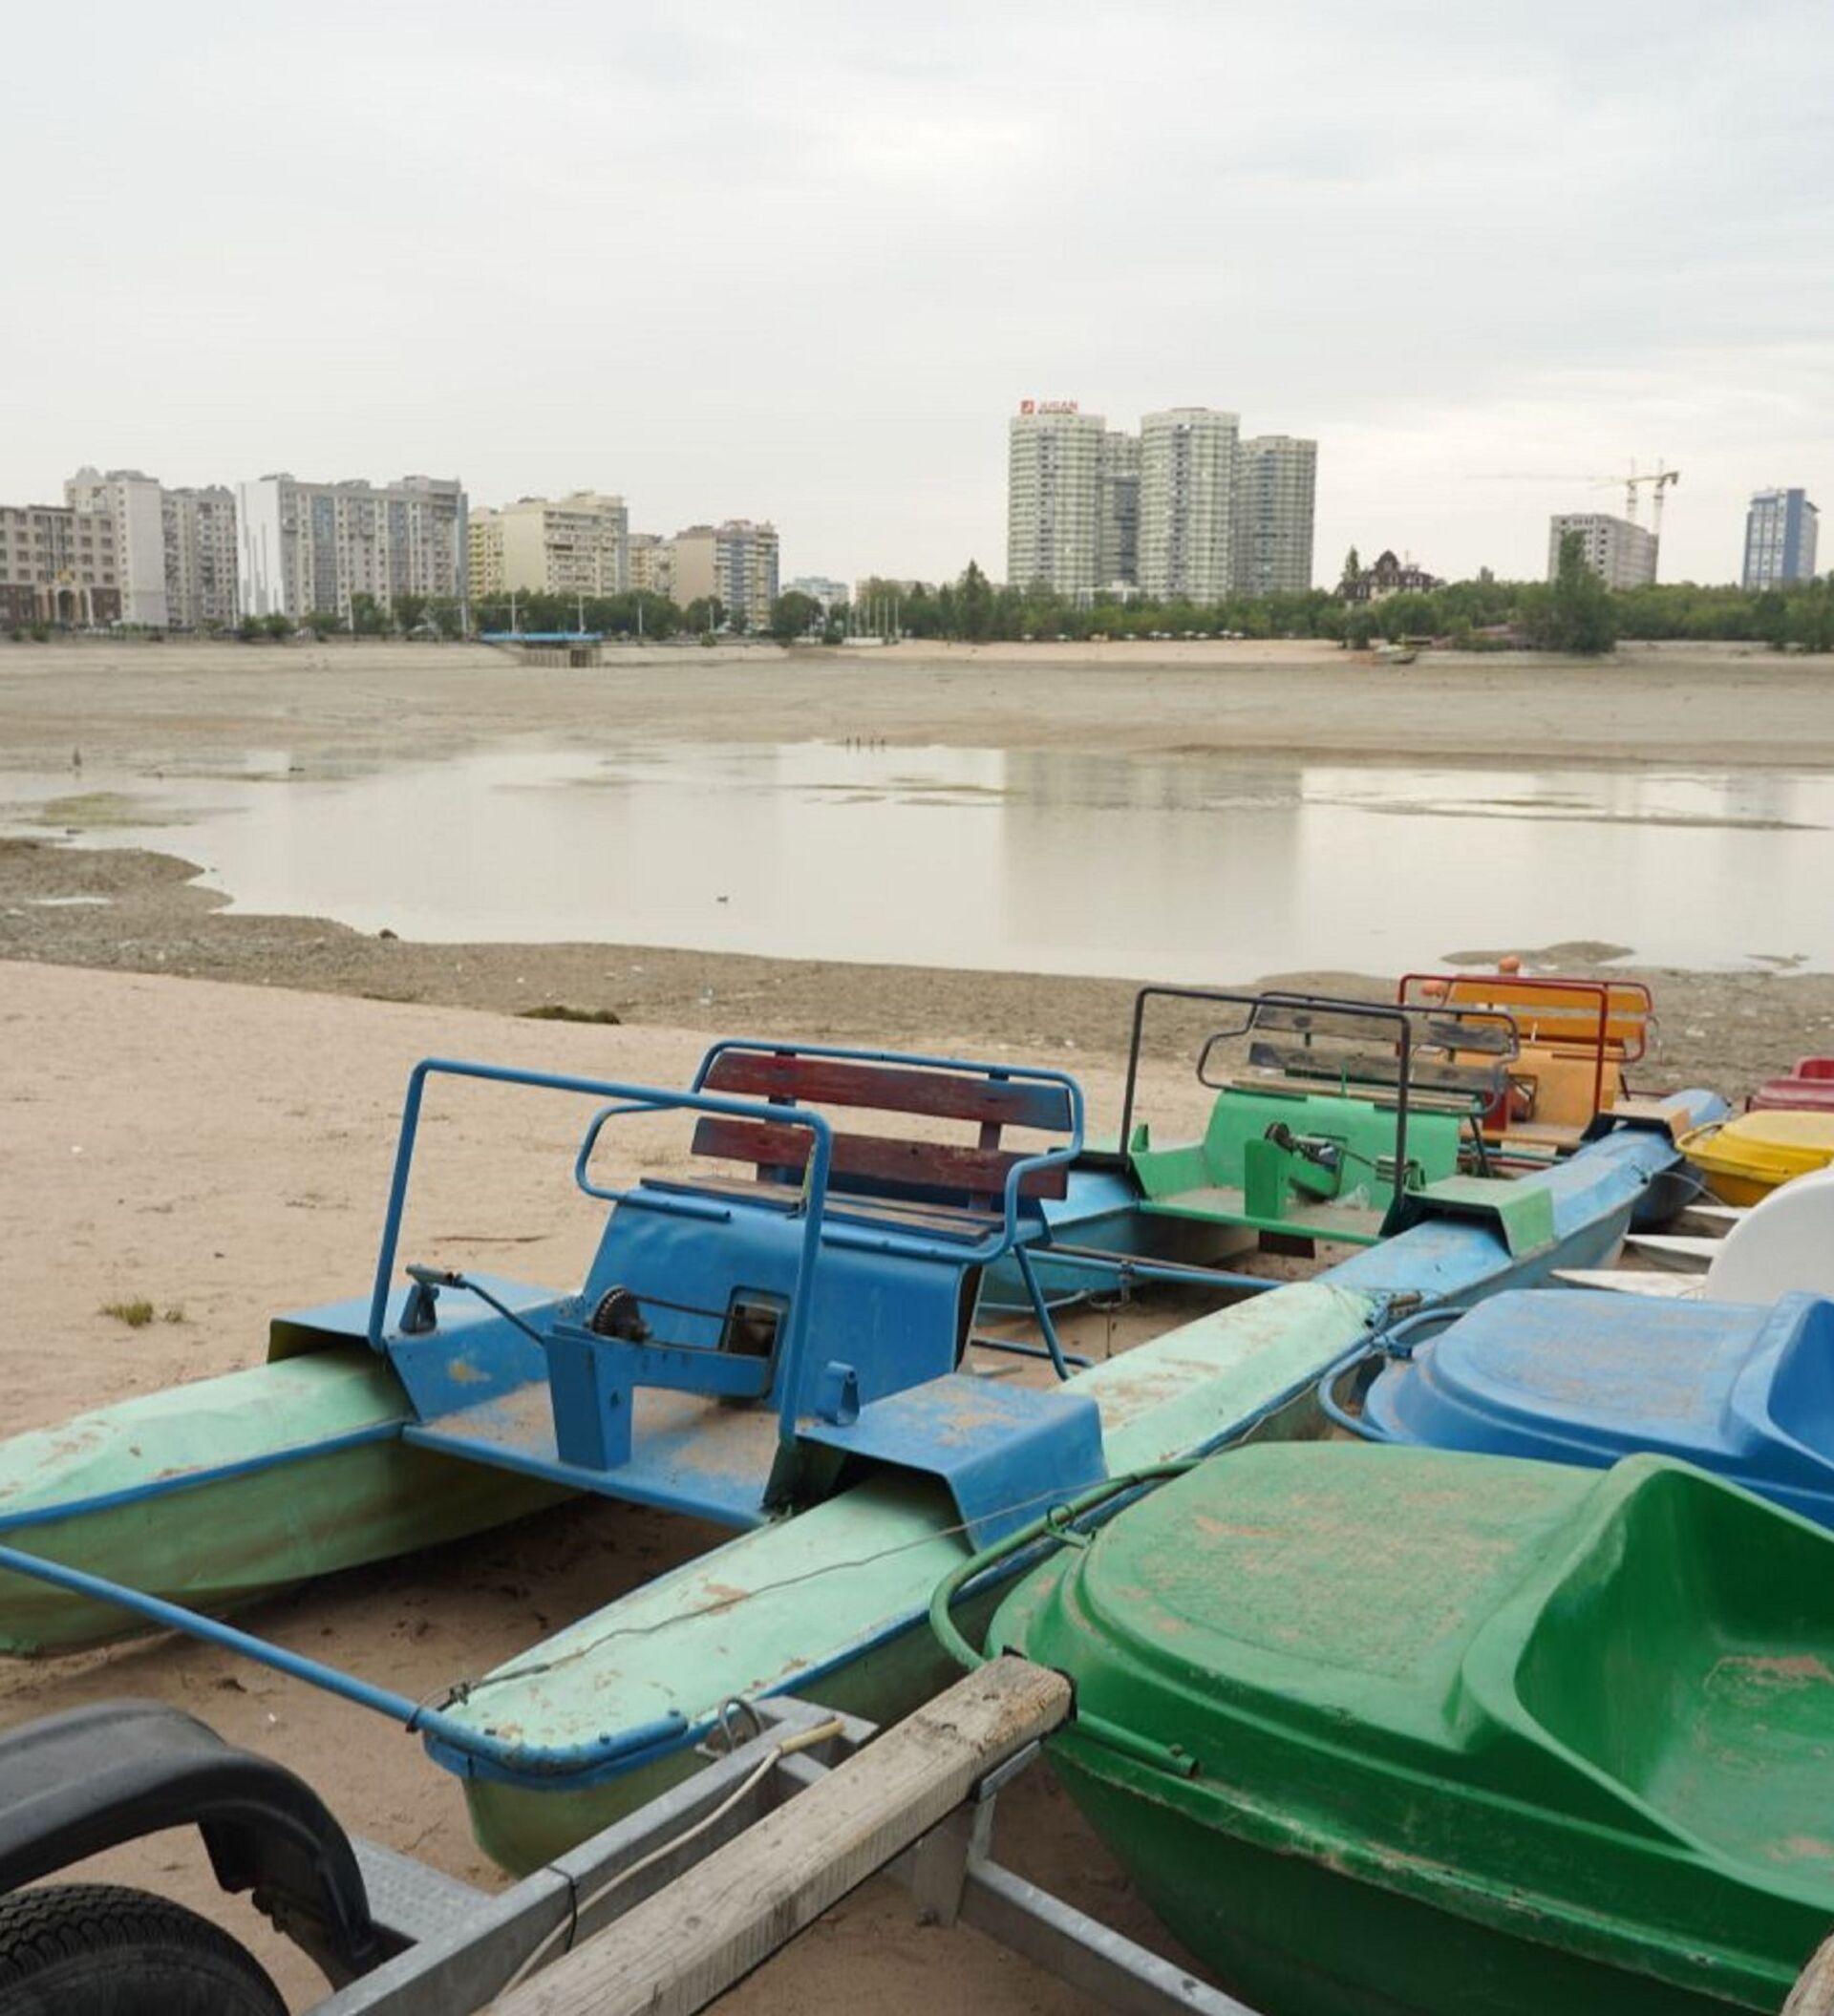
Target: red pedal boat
{"x":1809,"y":1088}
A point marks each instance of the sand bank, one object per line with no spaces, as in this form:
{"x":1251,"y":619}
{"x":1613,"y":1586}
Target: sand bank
{"x":178,"y":705}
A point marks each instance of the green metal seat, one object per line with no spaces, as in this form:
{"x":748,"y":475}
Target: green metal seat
{"x":1307,"y":1164}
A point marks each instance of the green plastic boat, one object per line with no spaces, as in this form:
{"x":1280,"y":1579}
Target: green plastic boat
{"x":1397,"y":1732}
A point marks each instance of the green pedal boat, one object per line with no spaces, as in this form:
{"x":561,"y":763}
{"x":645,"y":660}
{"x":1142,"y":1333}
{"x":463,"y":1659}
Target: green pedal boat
{"x":1404,"y":1732}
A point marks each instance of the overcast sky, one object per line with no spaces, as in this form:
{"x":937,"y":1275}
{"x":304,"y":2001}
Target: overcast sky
{"x":801,"y":260}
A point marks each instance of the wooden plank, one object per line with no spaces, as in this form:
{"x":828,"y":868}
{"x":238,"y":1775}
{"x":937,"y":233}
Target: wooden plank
{"x":944,"y":1095}
{"x":926,"y":1165}
{"x":677,"y":1950}
{"x":1813,"y":1994}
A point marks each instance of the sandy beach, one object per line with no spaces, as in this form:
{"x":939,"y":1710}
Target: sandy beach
{"x":198,"y":1106}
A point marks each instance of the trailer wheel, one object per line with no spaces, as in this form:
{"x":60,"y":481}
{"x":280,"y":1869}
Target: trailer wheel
{"x":96,"y":1949}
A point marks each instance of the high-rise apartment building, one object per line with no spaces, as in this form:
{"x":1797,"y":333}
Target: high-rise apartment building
{"x":1275,"y":491}
{"x":652,"y":561}
{"x":309,"y":548}
{"x":1780,"y":530}
{"x":133,"y":501}
{"x":484,"y":556}
{"x":199,"y":535}
{"x":735,"y":562}
{"x":58,"y":566}
{"x":1118,"y":526}
{"x":1187,"y":481}
{"x":1623,"y":555}
{"x":175,"y":549}
{"x":572,"y":545}
{"x":1053,"y":498}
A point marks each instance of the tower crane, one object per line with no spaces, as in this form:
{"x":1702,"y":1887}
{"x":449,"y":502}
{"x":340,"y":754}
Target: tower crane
{"x":1660,"y":478}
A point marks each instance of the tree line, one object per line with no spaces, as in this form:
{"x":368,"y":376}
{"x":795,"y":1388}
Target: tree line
{"x":1575,"y":612}
{"x":636,"y":613}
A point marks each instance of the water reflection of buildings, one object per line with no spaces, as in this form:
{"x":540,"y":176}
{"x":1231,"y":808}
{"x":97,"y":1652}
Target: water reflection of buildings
{"x":1197,"y":869}
{"x":1161,"y":868}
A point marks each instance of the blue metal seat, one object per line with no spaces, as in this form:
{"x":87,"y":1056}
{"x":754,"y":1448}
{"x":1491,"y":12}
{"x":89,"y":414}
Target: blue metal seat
{"x":735,"y":1335}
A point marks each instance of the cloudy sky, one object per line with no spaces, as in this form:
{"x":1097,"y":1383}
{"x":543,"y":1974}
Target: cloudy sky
{"x":801,"y":260}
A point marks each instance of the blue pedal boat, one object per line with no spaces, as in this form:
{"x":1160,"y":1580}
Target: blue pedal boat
{"x":780,"y":1339}
{"x":1575,"y":1376}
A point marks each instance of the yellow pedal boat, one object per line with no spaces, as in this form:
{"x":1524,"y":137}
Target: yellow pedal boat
{"x":1744,"y":1159}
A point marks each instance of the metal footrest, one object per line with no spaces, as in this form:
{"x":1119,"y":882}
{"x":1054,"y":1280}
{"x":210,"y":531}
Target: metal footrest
{"x":412,"y":1902}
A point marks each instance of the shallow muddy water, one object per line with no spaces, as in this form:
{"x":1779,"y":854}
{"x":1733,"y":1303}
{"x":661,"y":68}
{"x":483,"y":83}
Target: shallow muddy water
{"x":1023,"y":860}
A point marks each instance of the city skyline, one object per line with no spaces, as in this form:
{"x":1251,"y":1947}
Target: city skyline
{"x":1479,"y":270}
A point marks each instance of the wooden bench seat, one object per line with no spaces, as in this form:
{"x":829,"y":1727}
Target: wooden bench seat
{"x":882,"y":1174}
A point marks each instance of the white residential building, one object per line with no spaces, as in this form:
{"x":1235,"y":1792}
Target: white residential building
{"x":578,"y":545}
{"x":821,"y":588}
{"x":1275,"y":494}
{"x":309,"y":548}
{"x":1187,"y":481}
{"x":1053,"y":498}
{"x":735,"y":563}
{"x":134,"y":503}
{"x":1117,"y":532}
{"x":1621,"y":553}
{"x":198,"y":534}
{"x":651,"y":564}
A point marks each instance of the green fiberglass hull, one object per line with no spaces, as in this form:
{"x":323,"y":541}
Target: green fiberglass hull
{"x":832,"y":1604}
{"x":214,"y":1494}
{"x":1457,"y":1734}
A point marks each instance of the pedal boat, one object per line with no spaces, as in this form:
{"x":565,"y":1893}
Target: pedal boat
{"x":790,"y":1352}
{"x":1401,"y":1733}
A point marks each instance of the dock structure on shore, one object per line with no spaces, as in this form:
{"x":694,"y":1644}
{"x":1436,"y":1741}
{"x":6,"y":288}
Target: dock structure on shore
{"x":561,"y":648}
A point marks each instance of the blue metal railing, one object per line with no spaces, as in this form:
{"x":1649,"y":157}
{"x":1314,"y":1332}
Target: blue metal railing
{"x":495,"y":1753}
{"x":626,"y":1099}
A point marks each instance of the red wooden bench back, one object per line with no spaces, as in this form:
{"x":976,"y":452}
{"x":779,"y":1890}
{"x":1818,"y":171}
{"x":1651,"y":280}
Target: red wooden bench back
{"x":980,"y":1171}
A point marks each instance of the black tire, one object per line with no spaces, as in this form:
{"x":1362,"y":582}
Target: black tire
{"x":96,"y":1949}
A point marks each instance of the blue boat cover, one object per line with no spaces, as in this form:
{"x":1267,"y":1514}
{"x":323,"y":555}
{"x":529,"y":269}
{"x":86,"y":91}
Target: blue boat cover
{"x":1747,"y":1392}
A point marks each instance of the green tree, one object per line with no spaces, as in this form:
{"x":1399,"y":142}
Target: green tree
{"x":367,"y":617}
{"x":1352,"y":565}
{"x":410,"y":612}
{"x":794,"y":615}
{"x":706,"y":613}
{"x":1575,"y":615}
{"x":278,"y":627}
{"x":974,"y":604}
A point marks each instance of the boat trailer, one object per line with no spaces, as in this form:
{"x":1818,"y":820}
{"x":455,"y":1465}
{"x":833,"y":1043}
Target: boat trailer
{"x":665,"y":1910}
{"x":660,"y":1913}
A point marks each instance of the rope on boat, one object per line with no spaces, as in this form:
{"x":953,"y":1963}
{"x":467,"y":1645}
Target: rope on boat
{"x":1052,"y":1501}
{"x":568,"y":1928}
